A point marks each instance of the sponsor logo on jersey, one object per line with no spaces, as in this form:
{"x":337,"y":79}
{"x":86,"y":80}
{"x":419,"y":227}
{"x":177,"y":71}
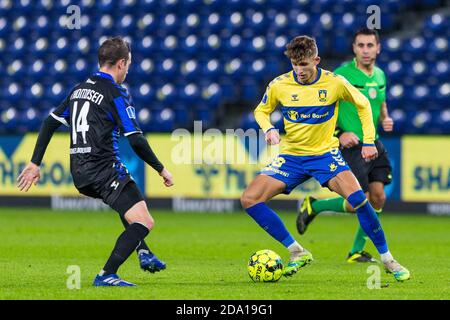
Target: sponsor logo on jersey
{"x":131,"y":112}
{"x":293,"y":115}
{"x":294,"y":97}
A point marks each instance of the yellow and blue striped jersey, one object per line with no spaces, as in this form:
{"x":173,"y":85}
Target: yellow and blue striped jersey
{"x":310,"y":111}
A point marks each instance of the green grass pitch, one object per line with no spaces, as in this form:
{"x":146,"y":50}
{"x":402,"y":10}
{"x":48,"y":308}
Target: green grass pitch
{"x":207,"y":255}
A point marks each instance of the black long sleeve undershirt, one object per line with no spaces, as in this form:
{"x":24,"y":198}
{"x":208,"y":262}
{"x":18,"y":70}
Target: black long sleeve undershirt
{"x":49,"y":126}
{"x":137,"y":141}
{"x":144,"y":151}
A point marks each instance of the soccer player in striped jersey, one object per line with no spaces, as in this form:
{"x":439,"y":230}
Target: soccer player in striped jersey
{"x":309,"y":98}
{"x":97,"y":111}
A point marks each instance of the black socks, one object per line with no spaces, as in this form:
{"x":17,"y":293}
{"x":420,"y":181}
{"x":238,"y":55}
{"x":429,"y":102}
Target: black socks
{"x":125,"y":245}
{"x":142,"y":245}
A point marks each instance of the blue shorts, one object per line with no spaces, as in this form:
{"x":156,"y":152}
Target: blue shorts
{"x":294,"y":170}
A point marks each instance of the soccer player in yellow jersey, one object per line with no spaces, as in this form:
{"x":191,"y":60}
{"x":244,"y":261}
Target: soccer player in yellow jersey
{"x":309,"y":99}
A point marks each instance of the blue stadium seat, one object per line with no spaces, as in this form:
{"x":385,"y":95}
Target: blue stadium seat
{"x":211,"y":69}
{"x":416,"y":71}
{"x":439,"y":49}
{"x":144,"y":117}
{"x":144,"y":95}
{"x":414,"y":49}
{"x":440,"y":70}
{"x":191,"y":45}
{"x":280,"y":23}
{"x":392,"y":47}
{"x":167,"y":94}
{"x":436,"y":25}
{"x":234,"y":69}
{"x":211,"y":95}
{"x":56,"y":93}
{"x":34,"y":93}
{"x":395,"y":71}
{"x":300,"y":22}
{"x":12,"y":92}
{"x":30,"y":119}
{"x":16,"y":70}
{"x":257,"y":22}
{"x":166,"y":68}
{"x":190,"y":70}
{"x":442,"y":95}
{"x":420,"y":121}
{"x":191,"y":23}
{"x":395,"y":96}
{"x":232,"y":45}
{"x":147,"y":23}
{"x":441,"y":120}
{"x":420,"y":96}
{"x":400,"y":120}
{"x":190,"y":94}
{"x":212,"y":45}
{"x":9,"y":118}
{"x":169,"y":46}
{"x":170,"y":23}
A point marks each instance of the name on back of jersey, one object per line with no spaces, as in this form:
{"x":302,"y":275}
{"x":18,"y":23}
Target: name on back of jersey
{"x":87,"y":94}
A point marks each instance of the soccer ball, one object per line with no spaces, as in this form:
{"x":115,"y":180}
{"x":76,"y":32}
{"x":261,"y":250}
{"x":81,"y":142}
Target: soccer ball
{"x":265,"y":266}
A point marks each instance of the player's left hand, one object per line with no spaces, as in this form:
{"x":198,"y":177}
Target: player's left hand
{"x":167,"y":176}
{"x":30,"y":175}
{"x":387,"y":124}
{"x":369,"y":153}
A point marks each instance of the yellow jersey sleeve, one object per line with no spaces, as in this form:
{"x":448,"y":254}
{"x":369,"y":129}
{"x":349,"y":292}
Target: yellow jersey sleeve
{"x":267,"y":105}
{"x":351,"y":94}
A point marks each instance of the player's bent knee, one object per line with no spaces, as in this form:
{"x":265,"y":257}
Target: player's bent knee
{"x":378,"y":201}
{"x":148,"y":223}
{"x":248,"y":200}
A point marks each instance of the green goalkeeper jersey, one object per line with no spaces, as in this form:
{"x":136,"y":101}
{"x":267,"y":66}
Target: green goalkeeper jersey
{"x":373,"y":87}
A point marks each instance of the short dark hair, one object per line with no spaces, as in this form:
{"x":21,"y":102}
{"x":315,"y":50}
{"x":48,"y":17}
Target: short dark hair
{"x":301,"y":47}
{"x":113,"y":50}
{"x":367,"y":32}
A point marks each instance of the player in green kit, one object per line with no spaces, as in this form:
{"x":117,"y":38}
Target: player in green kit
{"x":362,"y":73}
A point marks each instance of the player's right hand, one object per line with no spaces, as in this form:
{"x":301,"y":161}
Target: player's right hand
{"x":30,"y":175}
{"x":272,"y":137}
{"x":348,"y":139}
{"x":167,"y":176}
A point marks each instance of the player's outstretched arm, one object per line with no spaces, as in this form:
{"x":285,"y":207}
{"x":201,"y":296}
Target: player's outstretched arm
{"x":144,"y":151}
{"x":31,"y":174}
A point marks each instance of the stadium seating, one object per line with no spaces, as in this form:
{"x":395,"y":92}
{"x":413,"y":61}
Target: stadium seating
{"x":193,"y":57}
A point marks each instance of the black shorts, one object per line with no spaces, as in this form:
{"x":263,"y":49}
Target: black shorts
{"x":378,"y":170}
{"x":119,"y":192}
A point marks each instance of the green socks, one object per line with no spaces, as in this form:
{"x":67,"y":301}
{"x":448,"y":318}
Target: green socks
{"x":330,"y":204}
{"x":338,"y":205}
{"x":360,"y":241}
